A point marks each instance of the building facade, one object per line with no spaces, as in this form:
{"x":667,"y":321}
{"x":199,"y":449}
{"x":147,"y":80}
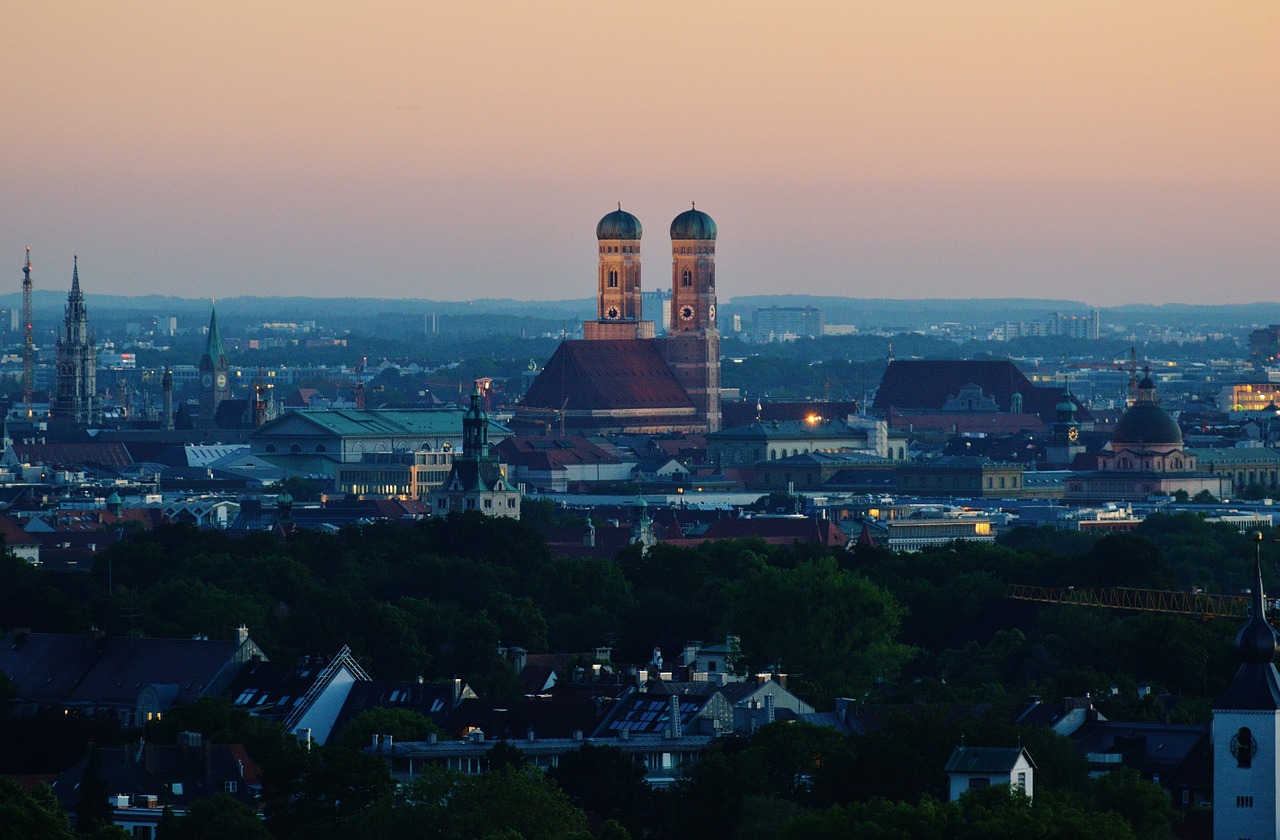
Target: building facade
{"x":215,"y":385}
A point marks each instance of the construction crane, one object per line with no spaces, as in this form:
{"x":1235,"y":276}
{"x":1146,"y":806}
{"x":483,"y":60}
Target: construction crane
{"x":28,"y":343}
{"x":1201,"y":604}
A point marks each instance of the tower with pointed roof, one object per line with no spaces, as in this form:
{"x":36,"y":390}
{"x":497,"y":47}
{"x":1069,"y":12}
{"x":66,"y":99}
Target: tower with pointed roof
{"x":75,"y":394}
{"x":215,"y":383}
{"x":477,"y":481}
{"x":1246,"y":730}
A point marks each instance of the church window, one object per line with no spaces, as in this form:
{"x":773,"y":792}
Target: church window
{"x":471,"y":504}
{"x":686,"y":279}
{"x":511,"y":502}
{"x":271,"y":447}
{"x":296,"y":448}
{"x":320,"y":447}
{"x":613,"y":279}
{"x":488,"y":503}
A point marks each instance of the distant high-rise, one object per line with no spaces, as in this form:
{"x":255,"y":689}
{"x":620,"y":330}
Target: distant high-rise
{"x":75,"y":396}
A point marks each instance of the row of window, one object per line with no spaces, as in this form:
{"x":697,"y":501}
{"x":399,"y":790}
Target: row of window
{"x":613,"y":249}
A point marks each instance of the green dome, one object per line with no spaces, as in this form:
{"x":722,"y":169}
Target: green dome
{"x":113,"y":499}
{"x":619,"y":225}
{"x":693,"y":224}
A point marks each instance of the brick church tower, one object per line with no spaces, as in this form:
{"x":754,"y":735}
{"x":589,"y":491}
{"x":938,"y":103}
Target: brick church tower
{"x":692,"y":345}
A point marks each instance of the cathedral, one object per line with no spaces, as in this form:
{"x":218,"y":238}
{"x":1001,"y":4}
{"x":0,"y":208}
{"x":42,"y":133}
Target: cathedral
{"x":75,"y":393}
{"x":215,"y":385}
{"x":620,"y":378}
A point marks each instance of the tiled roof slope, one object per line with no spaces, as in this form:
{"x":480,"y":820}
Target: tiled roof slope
{"x":606,"y":375}
{"x":924,"y":385}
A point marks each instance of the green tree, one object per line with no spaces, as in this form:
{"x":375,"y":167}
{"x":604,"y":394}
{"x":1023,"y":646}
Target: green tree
{"x":218,"y":818}
{"x":401,"y":724}
{"x":26,"y":815}
{"x":606,"y":783}
{"x":92,"y":806}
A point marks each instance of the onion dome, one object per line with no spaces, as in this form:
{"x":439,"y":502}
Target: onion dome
{"x":693,"y":224}
{"x":1066,"y":406}
{"x":619,"y":225}
{"x":114,"y":499}
{"x":1146,"y":422}
{"x":1256,"y":641}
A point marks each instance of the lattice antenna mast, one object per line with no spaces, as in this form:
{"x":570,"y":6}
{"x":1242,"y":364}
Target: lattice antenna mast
{"x":28,"y":343}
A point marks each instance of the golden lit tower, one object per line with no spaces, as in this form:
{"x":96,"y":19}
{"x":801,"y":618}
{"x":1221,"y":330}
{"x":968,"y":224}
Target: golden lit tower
{"x":618,"y":313}
{"x":692,"y":345}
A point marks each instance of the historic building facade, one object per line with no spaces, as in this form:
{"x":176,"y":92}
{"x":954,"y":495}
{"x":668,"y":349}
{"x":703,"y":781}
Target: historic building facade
{"x":215,"y":383}
{"x":620,"y":378}
{"x":75,"y":398}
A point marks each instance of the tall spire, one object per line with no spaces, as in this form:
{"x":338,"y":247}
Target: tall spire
{"x":1257,"y":683}
{"x":75,"y":277}
{"x":213,"y":346}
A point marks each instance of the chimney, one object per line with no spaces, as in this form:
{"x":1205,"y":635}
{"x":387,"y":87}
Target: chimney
{"x":577,"y":734}
{"x":374,"y":745}
{"x":529,"y":734}
{"x":388,"y":741}
{"x":431,"y":738}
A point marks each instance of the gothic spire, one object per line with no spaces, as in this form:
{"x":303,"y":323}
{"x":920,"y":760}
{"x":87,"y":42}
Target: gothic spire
{"x":1257,"y":683}
{"x":213,"y":346}
{"x":75,"y":277}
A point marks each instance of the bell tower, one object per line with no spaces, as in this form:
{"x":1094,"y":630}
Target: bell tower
{"x":618,"y":304}
{"x":215,"y":385}
{"x":1246,"y":730}
{"x":692,"y":345}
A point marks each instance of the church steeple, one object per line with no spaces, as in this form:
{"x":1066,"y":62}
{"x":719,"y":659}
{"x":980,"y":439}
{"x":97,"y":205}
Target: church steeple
{"x":215,"y":381}
{"x":75,"y":278}
{"x":213,"y":345}
{"x":1246,"y":728}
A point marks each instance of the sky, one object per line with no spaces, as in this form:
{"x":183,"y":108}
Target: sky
{"x":1106,"y":152}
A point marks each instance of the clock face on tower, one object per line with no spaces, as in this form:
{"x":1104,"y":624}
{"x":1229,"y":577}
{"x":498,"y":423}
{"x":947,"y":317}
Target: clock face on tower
{"x":686,"y":313}
{"x":207,"y":381}
{"x":1073,"y":434}
{"x":222,"y":380}
{"x":612,"y":313}
{"x":711,"y":313}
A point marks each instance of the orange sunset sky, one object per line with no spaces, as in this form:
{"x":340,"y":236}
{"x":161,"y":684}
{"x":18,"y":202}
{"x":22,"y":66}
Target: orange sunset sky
{"x":1105,"y":152}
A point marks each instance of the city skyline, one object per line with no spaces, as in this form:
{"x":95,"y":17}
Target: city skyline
{"x":1110,"y":155}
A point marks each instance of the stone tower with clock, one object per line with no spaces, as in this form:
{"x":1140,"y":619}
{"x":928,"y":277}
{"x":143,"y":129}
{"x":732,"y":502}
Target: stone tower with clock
{"x":618,"y":304}
{"x":692,"y":344}
{"x":215,"y":385}
{"x":75,"y":394}
{"x":1246,"y":731}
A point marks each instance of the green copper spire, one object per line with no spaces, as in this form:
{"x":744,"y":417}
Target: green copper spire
{"x":213,"y":347}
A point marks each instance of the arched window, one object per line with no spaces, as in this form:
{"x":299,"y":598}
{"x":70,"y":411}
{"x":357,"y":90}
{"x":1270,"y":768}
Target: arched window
{"x":271,"y":447}
{"x":686,"y":279}
{"x":613,"y":279}
{"x":296,"y":448}
{"x":320,"y":447}
{"x":1243,"y":747}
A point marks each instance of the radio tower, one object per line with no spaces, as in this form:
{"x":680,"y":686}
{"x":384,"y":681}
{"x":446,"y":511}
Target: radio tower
{"x":28,"y":345}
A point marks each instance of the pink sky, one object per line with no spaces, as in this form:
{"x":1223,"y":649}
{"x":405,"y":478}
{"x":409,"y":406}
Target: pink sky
{"x":1104,"y":152}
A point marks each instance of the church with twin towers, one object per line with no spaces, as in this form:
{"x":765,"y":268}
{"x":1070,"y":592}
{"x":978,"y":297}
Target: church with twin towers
{"x":621,"y":377}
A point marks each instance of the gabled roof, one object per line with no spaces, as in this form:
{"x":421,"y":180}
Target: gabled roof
{"x":606,"y":375}
{"x":922,"y":385}
{"x":67,"y":454}
{"x":986,"y":759}
{"x":370,"y":423}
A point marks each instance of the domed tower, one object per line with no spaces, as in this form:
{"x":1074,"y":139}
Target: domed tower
{"x":1147,"y":437}
{"x":1246,"y":730}
{"x":692,"y":345}
{"x":618,"y":304}
{"x":693,"y":271}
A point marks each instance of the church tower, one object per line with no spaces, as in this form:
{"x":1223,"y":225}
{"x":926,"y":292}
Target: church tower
{"x":76,"y":361}
{"x":215,"y":386}
{"x":1246,"y":731}
{"x":692,"y":345}
{"x":618,"y":305}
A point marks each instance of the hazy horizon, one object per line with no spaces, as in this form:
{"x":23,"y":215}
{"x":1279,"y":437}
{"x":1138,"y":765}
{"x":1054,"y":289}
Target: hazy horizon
{"x":1112,"y":155}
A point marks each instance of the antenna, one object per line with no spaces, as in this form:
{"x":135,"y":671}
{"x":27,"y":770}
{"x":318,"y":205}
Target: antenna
{"x":28,"y":343}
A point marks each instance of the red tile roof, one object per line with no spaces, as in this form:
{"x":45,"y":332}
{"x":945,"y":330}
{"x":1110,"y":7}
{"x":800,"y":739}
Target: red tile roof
{"x":607,"y":375}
